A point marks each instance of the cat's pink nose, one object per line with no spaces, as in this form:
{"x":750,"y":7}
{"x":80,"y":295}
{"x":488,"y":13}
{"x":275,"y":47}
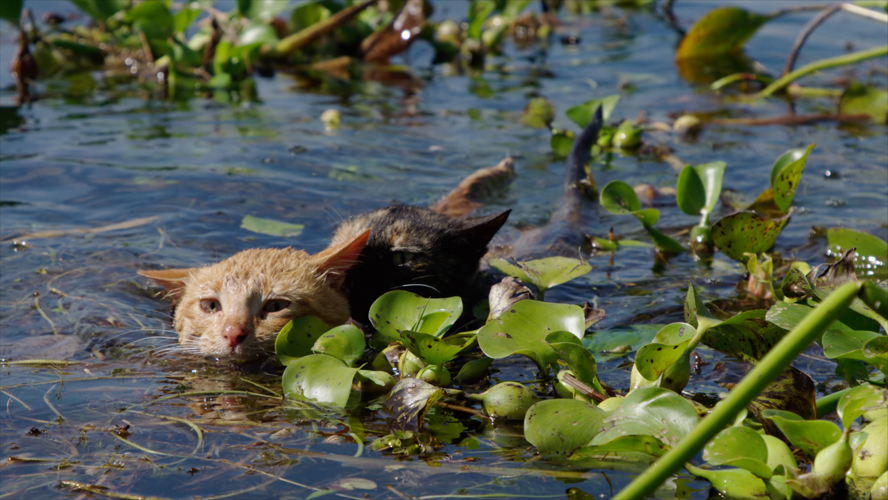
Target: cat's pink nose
{"x":234,"y":334}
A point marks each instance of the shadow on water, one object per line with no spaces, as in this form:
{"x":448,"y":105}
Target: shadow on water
{"x":125,"y":414}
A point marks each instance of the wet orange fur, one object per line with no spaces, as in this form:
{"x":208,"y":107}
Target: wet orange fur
{"x":243,"y":283}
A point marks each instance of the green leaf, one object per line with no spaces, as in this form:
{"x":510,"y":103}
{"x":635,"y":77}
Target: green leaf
{"x":650,"y":411}
{"x":409,"y":401}
{"x":809,"y":435}
{"x":663,"y":242}
{"x":690,"y":193}
{"x":153,"y":19}
{"x":786,"y":174}
{"x":579,"y":360}
{"x":523,"y":330}
{"x":318,"y":377}
{"x":258,"y":34}
{"x":582,"y":114}
{"x":862,"y":399}
{"x":271,"y":227}
{"x":344,"y":342}
{"x":787,"y":315}
{"x":400,"y":311}
{"x":860,"y":99}
{"x":739,"y":446}
{"x":543,"y":273}
{"x":617,"y":197}
{"x":297,"y":338}
{"x":479,"y":11}
{"x":538,"y":113}
{"x":720,"y":31}
{"x":793,"y":391}
{"x":561,"y":426}
{"x":695,"y":310}
{"x":746,"y":232}
{"x":11,"y":10}
{"x":646,"y":445}
{"x":561,"y":142}
{"x":865,"y":346}
{"x":432,"y":350}
{"x":262,"y":10}
{"x":184,"y":18}
{"x":668,"y":346}
{"x":101,"y":10}
{"x":747,"y":335}
{"x":739,"y":484}
{"x":871,"y":258}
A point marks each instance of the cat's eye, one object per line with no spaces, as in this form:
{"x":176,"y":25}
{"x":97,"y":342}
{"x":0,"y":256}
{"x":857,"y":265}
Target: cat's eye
{"x":210,"y":306}
{"x":275,"y":305}
{"x":401,"y":258}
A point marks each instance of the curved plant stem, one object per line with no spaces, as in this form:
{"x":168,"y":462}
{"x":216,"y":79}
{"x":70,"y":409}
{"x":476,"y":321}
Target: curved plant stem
{"x":803,"y":35}
{"x":860,"y":11}
{"x":831,"y":62}
{"x":739,"y":77}
{"x":763,"y":374}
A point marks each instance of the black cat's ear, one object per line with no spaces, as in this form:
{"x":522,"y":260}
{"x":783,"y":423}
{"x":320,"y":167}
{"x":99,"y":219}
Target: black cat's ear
{"x":480,"y":230}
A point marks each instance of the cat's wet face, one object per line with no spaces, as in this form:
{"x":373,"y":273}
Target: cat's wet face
{"x":236,"y":308}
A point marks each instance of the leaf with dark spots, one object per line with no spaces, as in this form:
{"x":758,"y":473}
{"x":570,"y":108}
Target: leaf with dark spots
{"x":409,"y":401}
{"x":432,"y":350}
{"x":831,"y":276}
{"x":746,"y":232}
{"x":747,"y":335}
{"x":785,"y":175}
{"x":561,"y":426}
{"x":793,"y":391}
{"x":720,"y":31}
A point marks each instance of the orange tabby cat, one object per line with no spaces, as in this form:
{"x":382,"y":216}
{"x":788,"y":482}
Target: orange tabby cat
{"x":236,"y":308}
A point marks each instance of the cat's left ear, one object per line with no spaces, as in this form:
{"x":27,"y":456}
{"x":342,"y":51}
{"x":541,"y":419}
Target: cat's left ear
{"x":336,"y":261}
{"x":480,"y":230}
{"x":173,"y":280}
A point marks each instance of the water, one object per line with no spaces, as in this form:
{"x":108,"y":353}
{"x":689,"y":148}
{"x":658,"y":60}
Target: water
{"x":200,"y":166}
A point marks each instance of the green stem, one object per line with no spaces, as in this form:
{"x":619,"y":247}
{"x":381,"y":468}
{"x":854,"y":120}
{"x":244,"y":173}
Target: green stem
{"x":830,"y":62}
{"x":811,"y":327}
{"x":828,"y":404}
{"x":739,"y":77}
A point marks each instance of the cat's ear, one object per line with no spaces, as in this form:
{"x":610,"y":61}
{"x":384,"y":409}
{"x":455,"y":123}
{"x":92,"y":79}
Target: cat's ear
{"x":173,"y":280}
{"x":336,"y":261}
{"x":480,"y":230}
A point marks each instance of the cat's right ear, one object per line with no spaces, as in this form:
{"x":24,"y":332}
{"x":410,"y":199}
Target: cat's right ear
{"x":173,"y":280}
{"x":336,"y":261}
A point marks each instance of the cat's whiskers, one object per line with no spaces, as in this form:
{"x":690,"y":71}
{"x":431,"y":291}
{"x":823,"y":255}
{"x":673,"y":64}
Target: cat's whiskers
{"x":421,"y":285}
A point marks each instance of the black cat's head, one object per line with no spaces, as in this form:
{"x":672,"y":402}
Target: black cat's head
{"x":416,"y":249}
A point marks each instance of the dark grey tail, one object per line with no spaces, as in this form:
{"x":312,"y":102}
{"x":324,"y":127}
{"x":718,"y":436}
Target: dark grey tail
{"x":581,"y":151}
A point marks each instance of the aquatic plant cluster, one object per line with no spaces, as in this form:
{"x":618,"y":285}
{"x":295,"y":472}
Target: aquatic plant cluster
{"x":769,"y":437}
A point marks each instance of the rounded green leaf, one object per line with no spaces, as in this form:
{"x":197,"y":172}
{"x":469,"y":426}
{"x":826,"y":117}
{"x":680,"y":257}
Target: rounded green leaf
{"x":746,"y":232}
{"x":650,"y":411}
{"x":561,"y":426}
{"x":297,"y":338}
{"x":720,"y":31}
{"x":617,"y":197}
{"x":578,"y":359}
{"x":561,"y":142}
{"x":538,"y":113}
{"x":860,"y":99}
{"x":711,"y":174}
{"x":779,"y":453}
{"x":152,"y":18}
{"x":582,"y":114}
{"x":409,"y":401}
{"x":271,"y":227}
{"x":786,"y":174}
{"x":733,"y":483}
{"x":871,"y":258}
{"x":523,"y":330}
{"x":259,"y":34}
{"x":739,"y":446}
{"x":809,"y":435}
{"x":400,"y":311}
{"x":668,"y":347}
{"x":433,"y":350}
{"x":319,"y":377}
{"x":344,"y":342}
{"x":862,"y":399}
{"x":11,"y":10}
{"x":647,"y":445}
{"x":543,"y":273}
{"x":648,"y":216}
{"x":690,"y":194}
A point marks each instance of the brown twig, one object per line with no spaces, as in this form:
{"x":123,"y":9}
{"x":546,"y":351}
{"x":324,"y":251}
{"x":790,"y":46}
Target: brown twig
{"x":575,"y":383}
{"x":803,"y":35}
{"x":790,"y":119}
